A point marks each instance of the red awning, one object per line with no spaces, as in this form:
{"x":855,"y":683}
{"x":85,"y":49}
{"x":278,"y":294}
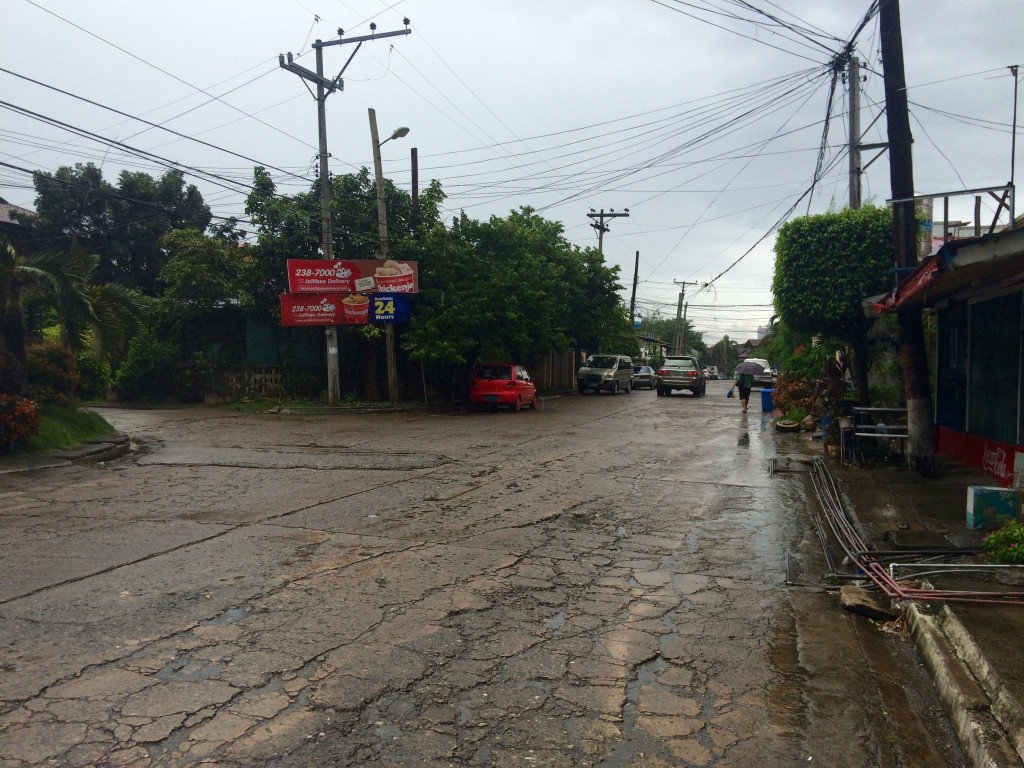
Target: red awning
{"x":914,"y":286}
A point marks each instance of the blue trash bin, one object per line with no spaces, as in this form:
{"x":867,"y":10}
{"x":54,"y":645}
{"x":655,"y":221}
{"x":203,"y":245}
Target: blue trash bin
{"x":767,"y":401}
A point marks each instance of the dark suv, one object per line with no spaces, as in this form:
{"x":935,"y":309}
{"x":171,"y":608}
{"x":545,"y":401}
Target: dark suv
{"x":681,"y":372}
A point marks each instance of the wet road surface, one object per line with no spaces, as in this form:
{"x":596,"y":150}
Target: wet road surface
{"x":598,"y":582}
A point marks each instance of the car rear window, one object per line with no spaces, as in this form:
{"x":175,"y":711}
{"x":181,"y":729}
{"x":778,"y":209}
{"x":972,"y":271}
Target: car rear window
{"x":602,"y":361}
{"x":679,"y":362}
{"x":501,"y":372}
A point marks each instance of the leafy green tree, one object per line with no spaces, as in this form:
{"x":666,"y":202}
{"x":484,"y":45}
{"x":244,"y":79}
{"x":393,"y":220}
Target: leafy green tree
{"x":489,"y":289}
{"x":122,"y":224}
{"x":825,"y":266}
{"x":664,"y":328}
{"x":514,"y":287}
{"x":724,"y":355}
{"x":204,"y":273}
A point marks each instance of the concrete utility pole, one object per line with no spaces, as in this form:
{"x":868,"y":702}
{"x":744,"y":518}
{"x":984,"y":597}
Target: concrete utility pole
{"x":855,"y":169}
{"x":920,"y":424}
{"x":679,"y":338}
{"x":415,"y":223}
{"x":600,"y":226}
{"x":382,"y":226}
{"x":632,"y":299}
{"x":325,"y":88}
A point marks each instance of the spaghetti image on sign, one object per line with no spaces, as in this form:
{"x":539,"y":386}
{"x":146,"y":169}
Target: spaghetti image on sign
{"x":395,"y":276}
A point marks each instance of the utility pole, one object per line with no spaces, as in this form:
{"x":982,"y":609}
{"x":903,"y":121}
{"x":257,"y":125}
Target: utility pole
{"x":679,"y":338}
{"x":1014,"y":69}
{"x":600,"y":226}
{"x":382,"y":227}
{"x":325,"y":88}
{"x":855,"y":169}
{"x":920,"y":424}
{"x":632,"y":299}
{"x":415,"y":223}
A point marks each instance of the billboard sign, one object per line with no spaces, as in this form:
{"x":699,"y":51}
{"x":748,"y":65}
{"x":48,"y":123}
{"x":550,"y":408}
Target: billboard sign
{"x":343,"y":309}
{"x":325,"y":276}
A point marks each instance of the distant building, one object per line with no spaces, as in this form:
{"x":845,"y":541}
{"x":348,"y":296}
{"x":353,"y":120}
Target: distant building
{"x":12,"y":227}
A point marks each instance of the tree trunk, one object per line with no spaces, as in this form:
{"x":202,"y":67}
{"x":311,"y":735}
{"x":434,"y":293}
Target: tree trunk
{"x":861,"y":364}
{"x":13,"y":361}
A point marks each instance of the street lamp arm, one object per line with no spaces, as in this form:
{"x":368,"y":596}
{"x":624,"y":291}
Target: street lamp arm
{"x":398,"y":133}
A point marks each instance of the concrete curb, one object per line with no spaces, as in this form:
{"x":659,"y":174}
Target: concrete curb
{"x":965,"y":701}
{"x":92,"y":452}
{"x":105,"y":449}
{"x":1006,"y":709}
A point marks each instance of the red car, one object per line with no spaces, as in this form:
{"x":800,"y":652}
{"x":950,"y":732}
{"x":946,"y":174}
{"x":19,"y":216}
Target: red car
{"x":497,"y":384}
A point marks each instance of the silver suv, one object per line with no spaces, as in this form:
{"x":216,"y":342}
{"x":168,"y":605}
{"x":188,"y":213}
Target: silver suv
{"x":682,"y":372}
{"x":608,"y":372}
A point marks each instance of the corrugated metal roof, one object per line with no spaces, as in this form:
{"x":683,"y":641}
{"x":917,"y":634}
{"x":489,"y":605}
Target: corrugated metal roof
{"x":6,"y":209}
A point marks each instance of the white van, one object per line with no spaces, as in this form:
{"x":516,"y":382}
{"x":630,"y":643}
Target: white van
{"x":608,"y":372}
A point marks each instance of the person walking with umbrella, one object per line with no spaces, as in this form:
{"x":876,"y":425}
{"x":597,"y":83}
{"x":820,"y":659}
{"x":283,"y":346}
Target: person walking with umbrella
{"x":745,"y":373}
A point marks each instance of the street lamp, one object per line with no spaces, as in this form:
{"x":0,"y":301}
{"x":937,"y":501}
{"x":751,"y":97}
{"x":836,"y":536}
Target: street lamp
{"x":382,"y":225}
{"x":400,"y":133}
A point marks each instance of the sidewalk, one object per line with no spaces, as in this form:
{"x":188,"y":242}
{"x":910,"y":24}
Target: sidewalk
{"x":972,"y":650}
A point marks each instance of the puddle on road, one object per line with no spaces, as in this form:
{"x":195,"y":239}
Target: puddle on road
{"x":555,"y":622}
{"x":230,"y":616}
{"x":183,"y":669}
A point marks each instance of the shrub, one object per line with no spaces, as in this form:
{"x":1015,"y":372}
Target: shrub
{"x":19,"y":420}
{"x":95,"y":377}
{"x":52,"y":372}
{"x":794,"y":393}
{"x":1006,"y":546}
{"x":150,"y":370}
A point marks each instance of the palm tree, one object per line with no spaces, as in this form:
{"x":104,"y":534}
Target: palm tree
{"x":98,"y":317}
{"x":101,"y":316}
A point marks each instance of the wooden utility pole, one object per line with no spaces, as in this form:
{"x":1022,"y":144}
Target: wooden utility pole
{"x":917,"y":390}
{"x":855,"y":169}
{"x":382,"y":226}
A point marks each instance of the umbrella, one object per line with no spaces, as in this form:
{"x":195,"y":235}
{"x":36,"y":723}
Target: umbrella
{"x":749,"y":366}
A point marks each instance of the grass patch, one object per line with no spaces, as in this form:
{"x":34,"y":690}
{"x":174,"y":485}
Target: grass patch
{"x":65,"y":426}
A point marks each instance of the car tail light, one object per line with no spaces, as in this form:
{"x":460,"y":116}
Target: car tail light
{"x":510,"y":385}
{"x":662,"y":372}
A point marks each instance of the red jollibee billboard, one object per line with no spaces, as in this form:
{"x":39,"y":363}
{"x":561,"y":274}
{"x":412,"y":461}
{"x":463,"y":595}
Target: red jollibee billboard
{"x":343,"y":309}
{"x":352,"y":276}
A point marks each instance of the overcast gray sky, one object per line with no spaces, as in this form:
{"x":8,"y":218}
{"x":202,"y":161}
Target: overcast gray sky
{"x":702,"y":117}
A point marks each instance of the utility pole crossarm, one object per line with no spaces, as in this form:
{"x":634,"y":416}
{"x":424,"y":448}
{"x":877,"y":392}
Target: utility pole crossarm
{"x":307,"y":74}
{"x":364,"y":38}
{"x":599,"y":224}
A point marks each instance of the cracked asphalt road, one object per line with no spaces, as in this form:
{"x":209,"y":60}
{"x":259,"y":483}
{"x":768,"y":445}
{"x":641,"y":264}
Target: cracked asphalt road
{"x":599,"y":582}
